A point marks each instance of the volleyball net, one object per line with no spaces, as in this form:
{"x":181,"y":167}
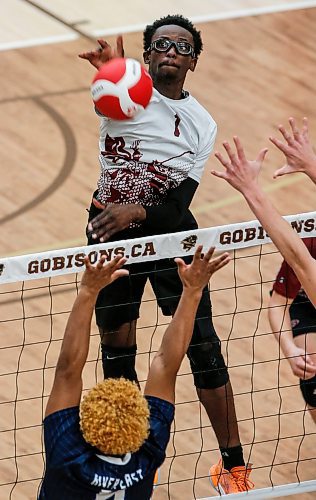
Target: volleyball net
{"x":277,"y":433}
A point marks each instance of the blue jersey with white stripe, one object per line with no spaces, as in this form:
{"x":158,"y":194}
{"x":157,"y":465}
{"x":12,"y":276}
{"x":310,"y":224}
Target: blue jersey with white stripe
{"x":77,"y":470}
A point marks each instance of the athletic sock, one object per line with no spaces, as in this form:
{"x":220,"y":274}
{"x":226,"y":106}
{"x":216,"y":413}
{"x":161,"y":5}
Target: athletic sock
{"x":232,"y":457}
{"x":119,"y":362}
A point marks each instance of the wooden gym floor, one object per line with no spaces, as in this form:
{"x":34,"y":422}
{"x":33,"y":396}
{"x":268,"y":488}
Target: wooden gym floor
{"x":255,"y":72}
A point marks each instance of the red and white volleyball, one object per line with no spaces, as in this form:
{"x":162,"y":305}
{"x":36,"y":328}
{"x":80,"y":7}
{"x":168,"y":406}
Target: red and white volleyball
{"x":121,"y":88}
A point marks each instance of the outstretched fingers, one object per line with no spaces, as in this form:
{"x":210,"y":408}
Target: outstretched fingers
{"x":280,"y":145}
{"x":231,"y":154}
{"x":305,"y":129}
{"x":295,"y":130}
{"x":115,"y":267}
{"x":261,"y":155}
{"x":287,"y":136}
{"x":198,"y":254}
{"x":200,"y":259}
{"x":103,"y":44}
{"x":181,"y":264}
{"x":211,"y":265}
{"x":87,"y":263}
{"x":207,"y":257}
{"x":119,"y":46}
{"x":239,"y":148}
{"x":219,"y":262}
{"x":223,"y":160}
{"x":114,"y":264}
{"x":226,"y":165}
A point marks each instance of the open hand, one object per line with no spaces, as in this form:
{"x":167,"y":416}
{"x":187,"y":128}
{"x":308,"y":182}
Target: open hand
{"x":239,"y":172}
{"x":197,"y":274}
{"x":97,"y":277}
{"x":298,"y":151}
{"x":104,"y":53}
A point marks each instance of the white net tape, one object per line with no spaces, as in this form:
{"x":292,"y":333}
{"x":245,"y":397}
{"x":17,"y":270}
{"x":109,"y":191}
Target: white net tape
{"x":71,"y":260}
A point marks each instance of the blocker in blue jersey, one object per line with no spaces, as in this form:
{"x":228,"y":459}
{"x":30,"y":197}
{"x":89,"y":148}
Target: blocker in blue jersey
{"x":110,"y":444}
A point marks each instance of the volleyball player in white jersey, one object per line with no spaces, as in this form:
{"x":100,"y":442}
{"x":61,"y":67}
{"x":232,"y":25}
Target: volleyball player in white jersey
{"x":151,"y":166}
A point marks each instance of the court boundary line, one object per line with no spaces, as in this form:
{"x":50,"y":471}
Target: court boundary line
{"x":33,"y":42}
{"x":220,"y":16}
{"x":273,"y":491}
{"x":69,"y":260}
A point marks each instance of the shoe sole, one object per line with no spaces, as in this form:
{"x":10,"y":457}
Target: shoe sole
{"x":155,"y":485}
{"x":217,"y":488}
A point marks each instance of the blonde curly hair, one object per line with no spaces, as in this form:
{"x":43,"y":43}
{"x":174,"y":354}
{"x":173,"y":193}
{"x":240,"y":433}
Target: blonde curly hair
{"x":114,"y":417}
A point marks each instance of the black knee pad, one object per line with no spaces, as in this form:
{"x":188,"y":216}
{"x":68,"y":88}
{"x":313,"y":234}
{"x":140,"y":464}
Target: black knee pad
{"x":207,"y":364}
{"x":119,"y":362}
{"x":308,"y":388}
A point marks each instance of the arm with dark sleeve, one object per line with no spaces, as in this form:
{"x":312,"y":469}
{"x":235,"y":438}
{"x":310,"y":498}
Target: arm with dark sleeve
{"x":168,"y":217}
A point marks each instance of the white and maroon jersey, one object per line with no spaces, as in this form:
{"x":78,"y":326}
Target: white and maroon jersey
{"x":143,"y":158}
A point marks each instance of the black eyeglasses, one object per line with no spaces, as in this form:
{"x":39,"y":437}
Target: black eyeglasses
{"x":164,"y":44}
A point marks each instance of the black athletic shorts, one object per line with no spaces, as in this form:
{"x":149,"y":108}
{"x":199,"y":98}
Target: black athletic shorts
{"x":119,"y":303}
{"x":303,"y":316}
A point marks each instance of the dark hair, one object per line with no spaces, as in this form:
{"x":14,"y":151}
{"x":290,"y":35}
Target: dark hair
{"x":178,"y":20}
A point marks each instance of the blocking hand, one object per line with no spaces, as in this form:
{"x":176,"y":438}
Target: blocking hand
{"x":97,"y":277}
{"x":297,"y":149}
{"x":239,"y":172}
{"x":197,"y":274}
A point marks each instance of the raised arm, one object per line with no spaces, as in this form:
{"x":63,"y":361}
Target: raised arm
{"x":297,"y":149}
{"x":67,"y":386}
{"x":243,"y":176}
{"x":279,"y":317}
{"x":166,"y":363}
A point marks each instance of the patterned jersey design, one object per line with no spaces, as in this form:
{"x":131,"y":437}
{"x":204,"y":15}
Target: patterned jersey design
{"x":126,"y":179}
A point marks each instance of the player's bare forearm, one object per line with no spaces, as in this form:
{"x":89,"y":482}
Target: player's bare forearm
{"x":279,"y":316}
{"x":311,"y":171}
{"x":67,"y":386}
{"x":166,"y":363}
{"x":75,"y":345}
{"x":280,"y":321}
